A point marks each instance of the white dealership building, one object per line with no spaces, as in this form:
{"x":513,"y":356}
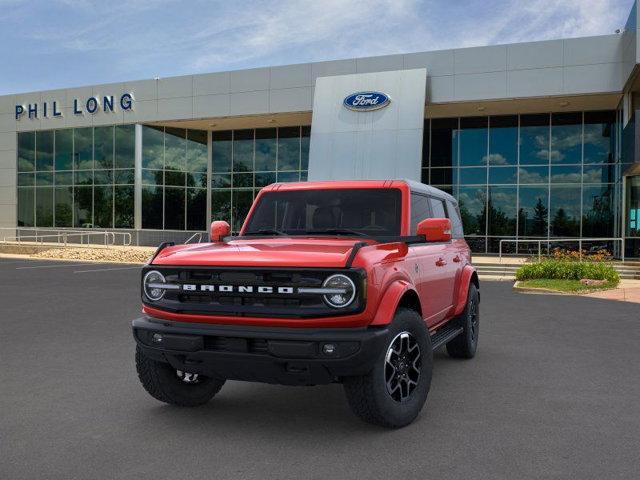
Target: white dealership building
{"x":536,"y":140}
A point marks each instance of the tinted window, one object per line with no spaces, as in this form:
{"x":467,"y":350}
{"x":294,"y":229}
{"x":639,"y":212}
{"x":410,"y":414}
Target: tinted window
{"x":419,"y":210}
{"x":375,"y":212}
{"x":456,"y":222}
{"x":437,"y":207}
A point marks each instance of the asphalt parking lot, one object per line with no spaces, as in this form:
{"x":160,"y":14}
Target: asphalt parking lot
{"x":554,"y":392}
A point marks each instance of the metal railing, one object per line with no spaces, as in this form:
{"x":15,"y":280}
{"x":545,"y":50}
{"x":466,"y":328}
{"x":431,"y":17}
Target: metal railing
{"x":197,"y":235}
{"x":73,"y":237}
{"x":549,"y":242}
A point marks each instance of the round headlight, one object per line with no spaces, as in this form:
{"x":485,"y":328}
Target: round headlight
{"x":151,"y":283}
{"x":343,"y":291}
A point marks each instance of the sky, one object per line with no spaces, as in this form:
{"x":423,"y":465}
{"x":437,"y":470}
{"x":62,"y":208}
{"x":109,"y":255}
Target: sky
{"x":48,"y":44}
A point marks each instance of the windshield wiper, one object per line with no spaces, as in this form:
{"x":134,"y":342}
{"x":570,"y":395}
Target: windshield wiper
{"x":337,"y":231}
{"x":266,"y":231}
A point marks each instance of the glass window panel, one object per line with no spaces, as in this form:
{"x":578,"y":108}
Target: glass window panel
{"x":102,"y":177}
{"x":152,"y":207}
{"x":64,"y":149}
{"x":103,"y":147}
{"x":26,"y":203}
{"x":288,"y":148}
{"x":242,"y":180}
{"x":44,"y":179}
{"x":426,"y":143}
{"x":571,"y":174}
{"x":473,"y":141}
{"x":501,"y":210}
{"x":600,"y":173}
{"x":221,"y":151}
{"x":303,"y":176}
{"x":304,"y":148}
{"x":503,"y":140}
{"x":564,"y":211}
{"x":243,"y":150}
{"x":220,"y":181}
{"x":534,"y":175}
{"x":441,"y":176}
{"x":265,"y":178}
{"x":597,"y":211}
{"x":83,"y":148}
{"x":125,"y":176}
{"x":196,"y":208}
{"x":152,"y":177}
{"x":266,"y":149}
{"x":420,"y":210}
{"x":534,"y":139}
{"x":197,"y":179}
{"x":176,"y":179}
{"x":288,"y":176}
{"x":44,"y":207}
{"x":103,"y":207}
{"x":472,"y":176}
{"x":26,"y":179}
{"x":174,"y":208}
{"x":83,"y":206}
{"x":598,"y":137}
{"x":533,"y":213}
{"x":566,"y":138}
{"x":197,"y":152}
{"x":123,"y":199}
{"x":83,"y":177}
{"x":242,"y":200}
{"x":152,"y":147}
{"x":125,"y":148}
{"x":221,"y":205}
{"x":500,"y":175}
{"x":471,"y":202}
{"x":44,"y":150}
{"x":175,"y":149}
{"x":443,"y":141}
{"x":26,"y":151}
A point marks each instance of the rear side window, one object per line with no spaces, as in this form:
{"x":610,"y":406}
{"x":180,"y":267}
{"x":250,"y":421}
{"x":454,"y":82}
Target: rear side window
{"x":419,"y":210}
{"x":437,"y":207}
{"x":456,"y":221}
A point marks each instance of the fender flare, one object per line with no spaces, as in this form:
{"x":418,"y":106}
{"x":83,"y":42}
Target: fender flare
{"x":389,"y":302}
{"x":468,"y":276}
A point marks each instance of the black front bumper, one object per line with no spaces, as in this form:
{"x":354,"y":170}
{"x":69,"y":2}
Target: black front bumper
{"x":288,"y":356}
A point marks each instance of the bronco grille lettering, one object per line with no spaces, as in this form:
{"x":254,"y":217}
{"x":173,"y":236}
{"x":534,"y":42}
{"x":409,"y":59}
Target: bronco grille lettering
{"x":190,"y":287}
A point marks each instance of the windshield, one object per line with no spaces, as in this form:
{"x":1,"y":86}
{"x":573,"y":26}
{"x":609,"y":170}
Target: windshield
{"x":355,"y":212}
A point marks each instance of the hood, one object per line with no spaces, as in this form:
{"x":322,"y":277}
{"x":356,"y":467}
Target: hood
{"x":263,"y":252}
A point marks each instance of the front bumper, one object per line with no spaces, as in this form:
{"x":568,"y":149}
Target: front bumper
{"x":288,"y":356}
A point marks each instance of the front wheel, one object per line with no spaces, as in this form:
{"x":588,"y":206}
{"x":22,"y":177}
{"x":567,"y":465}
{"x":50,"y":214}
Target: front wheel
{"x":395,"y":390}
{"x":173,"y":386}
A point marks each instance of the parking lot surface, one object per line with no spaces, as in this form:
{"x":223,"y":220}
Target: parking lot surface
{"x":554,"y":392}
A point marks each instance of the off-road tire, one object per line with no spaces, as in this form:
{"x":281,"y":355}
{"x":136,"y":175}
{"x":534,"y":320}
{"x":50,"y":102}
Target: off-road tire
{"x":466,"y":344}
{"x":162,"y":383}
{"x":368,"y":396}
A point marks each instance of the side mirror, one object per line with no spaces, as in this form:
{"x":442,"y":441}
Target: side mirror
{"x":219,"y":230}
{"x":435,"y":229}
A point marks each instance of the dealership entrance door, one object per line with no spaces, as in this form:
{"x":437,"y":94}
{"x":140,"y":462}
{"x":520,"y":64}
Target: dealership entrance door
{"x":632,"y":215}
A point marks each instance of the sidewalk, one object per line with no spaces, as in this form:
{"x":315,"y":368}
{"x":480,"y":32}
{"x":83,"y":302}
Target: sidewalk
{"x":627,"y":291}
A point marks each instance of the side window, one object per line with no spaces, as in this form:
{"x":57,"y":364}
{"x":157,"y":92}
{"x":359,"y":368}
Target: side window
{"x":419,"y":210}
{"x":456,"y":221}
{"x":437,"y":207}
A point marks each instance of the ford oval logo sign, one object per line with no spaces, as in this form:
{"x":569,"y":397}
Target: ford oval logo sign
{"x":366,"y":101}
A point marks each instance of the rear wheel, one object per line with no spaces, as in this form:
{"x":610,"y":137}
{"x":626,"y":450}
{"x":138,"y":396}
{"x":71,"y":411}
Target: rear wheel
{"x":466,"y":344}
{"x":173,"y":386}
{"x":395,"y":390}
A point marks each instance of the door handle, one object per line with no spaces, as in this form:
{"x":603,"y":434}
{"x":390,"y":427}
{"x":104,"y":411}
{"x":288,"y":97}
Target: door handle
{"x":457,"y":259}
{"x":441,"y":262}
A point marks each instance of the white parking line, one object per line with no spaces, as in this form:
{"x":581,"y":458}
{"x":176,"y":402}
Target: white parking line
{"x":54,"y":266}
{"x":107,"y":269}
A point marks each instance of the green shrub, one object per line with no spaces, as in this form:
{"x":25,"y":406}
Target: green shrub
{"x":558,"y":269}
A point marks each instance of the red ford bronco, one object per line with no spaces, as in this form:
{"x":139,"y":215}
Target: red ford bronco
{"x":355,"y":282}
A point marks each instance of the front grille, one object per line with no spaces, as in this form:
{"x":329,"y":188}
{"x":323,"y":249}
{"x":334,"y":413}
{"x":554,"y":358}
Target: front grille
{"x":278,"y":295}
